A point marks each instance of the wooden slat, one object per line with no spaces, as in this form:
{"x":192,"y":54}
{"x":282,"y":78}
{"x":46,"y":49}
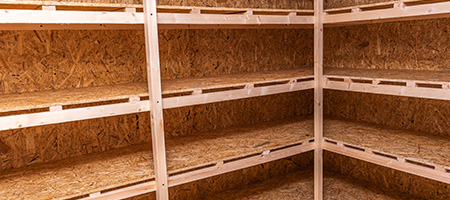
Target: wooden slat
{"x":156,"y":107}
{"x":424,"y":11}
{"x":318,"y":100}
{"x":43,"y":20}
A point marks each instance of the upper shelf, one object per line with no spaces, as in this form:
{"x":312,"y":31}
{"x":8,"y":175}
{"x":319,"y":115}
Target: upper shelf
{"x":61,"y":15}
{"x":418,"y":153}
{"x":49,"y":107}
{"x":410,"y":83}
{"x":189,"y":158}
{"x":387,"y":11}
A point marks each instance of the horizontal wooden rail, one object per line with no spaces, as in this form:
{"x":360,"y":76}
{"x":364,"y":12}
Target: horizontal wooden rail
{"x":218,"y":169}
{"x":419,"y":168}
{"x":408,"y":88}
{"x":398,"y":11}
{"x":54,"y":19}
{"x":57,"y":114}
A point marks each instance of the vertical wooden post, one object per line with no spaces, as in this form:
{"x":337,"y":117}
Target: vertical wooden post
{"x":156,"y":109}
{"x":318,"y":100}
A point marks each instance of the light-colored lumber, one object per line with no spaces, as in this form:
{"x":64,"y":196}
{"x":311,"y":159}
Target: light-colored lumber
{"x":412,"y":152}
{"x":112,"y":169}
{"x":413,"y":12}
{"x":42,"y":20}
{"x":420,"y":84}
{"x":155,"y":91}
{"x":318,"y":99}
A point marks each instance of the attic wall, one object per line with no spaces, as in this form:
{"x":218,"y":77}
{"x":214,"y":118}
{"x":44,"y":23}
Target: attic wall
{"x":46,"y":60}
{"x":280,"y":4}
{"x":409,"y":45}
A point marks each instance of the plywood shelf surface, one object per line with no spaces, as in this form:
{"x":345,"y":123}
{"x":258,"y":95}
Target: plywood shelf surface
{"x":424,"y":152}
{"x":421,"y":84}
{"x":97,"y":172}
{"x":45,"y":99}
{"x":93,"y":102}
{"x":299,"y":185}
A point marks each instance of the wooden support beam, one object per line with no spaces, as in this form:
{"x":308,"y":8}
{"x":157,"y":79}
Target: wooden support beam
{"x":155,"y":95}
{"x":318,"y":99}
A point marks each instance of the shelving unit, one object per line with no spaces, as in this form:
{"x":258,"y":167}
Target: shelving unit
{"x":136,"y":170}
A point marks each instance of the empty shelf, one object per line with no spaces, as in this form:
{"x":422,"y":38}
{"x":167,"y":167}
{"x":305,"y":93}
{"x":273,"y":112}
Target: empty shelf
{"x":105,"y":101}
{"x":421,"y":84}
{"x":300,"y":185}
{"x":132,"y":165}
{"x":414,"y":152}
{"x":79,"y":175}
{"x":387,"y":11}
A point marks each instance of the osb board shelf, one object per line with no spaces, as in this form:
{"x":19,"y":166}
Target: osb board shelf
{"x":300,"y":185}
{"x":422,"y":84}
{"x":50,"y":107}
{"x":421,"y":153}
{"x":107,"y":170}
{"x":75,"y":96}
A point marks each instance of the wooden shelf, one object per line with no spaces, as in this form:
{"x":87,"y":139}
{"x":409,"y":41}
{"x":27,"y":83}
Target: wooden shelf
{"x":50,"y":107}
{"x":34,"y":15}
{"x":410,"y":83}
{"x":189,"y":158}
{"x":299,"y":185}
{"x":386,"y":12}
{"x":413,"y":152}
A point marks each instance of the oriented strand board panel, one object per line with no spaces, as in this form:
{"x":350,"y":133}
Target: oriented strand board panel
{"x":415,"y":146}
{"x":241,"y":178}
{"x":106,"y":170}
{"x":299,"y":185}
{"x":54,"y":142}
{"x":412,"y":45}
{"x":424,"y":115}
{"x":384,"y":177}
{"x":329,"y":4}
{"x":46,"y":60}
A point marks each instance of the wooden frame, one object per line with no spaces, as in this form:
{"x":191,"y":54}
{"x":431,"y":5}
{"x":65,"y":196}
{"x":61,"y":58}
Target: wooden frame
{"x":156,"y":111}
{"x":318,"y":100}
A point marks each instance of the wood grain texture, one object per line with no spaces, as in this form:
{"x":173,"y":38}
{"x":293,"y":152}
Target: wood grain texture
{"x":95,"y":172}
{"x":299,"y":185}
{"x":407,"y":144}
{"x":383,"y":177}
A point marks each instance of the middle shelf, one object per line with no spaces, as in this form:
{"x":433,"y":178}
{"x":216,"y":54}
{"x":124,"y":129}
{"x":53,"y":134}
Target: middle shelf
{"x":58,"y":106}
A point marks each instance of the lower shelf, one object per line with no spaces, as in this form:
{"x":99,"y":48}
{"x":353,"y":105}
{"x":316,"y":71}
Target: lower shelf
{"x":413,"y":152}
{"x":300,"y":185}
{"x":193,"y":155}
